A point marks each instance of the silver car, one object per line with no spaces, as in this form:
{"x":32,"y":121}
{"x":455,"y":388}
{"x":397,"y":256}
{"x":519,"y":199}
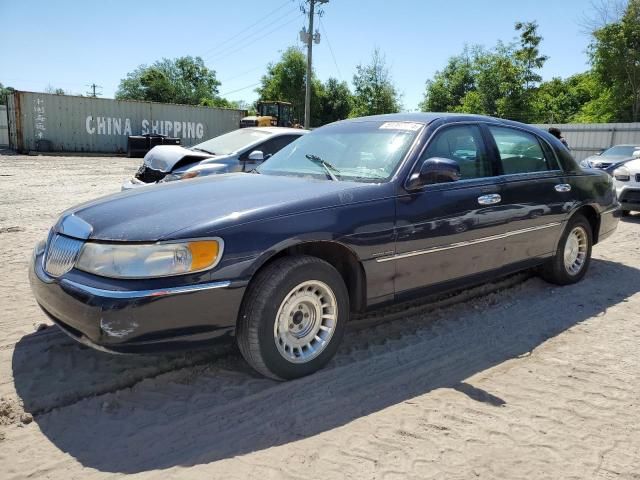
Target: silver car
{"x":613,"y":155}
{"x":237,"y":151}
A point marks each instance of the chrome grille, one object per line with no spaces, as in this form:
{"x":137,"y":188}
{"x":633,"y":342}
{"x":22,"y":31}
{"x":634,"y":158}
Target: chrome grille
{"x":61,"y":254}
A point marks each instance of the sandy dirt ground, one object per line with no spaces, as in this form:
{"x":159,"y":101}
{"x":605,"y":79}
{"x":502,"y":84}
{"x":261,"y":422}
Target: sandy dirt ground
{"x":516,"y":380}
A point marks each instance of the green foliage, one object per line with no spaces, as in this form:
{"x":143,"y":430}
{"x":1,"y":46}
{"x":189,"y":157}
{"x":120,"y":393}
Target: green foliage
{"x":449,"y":89}
{"x":580,"y":98}
{"x":220,"y":102}
{"x":490,"y":82}
{"x":528,"y":54}
{"x":615,"y":56}
{"x":4,"y":92}
{"x":336,"y":102}
{"x":285,"y":81}
{"x":374,"y":92}
{"x":185,"y":80}
{"x":53,"y":90}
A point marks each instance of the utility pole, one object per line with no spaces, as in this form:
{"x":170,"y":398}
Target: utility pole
{"x":309,"y":38}
{"x":93,"y":92}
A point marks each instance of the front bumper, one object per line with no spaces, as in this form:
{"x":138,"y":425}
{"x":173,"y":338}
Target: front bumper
{"x":128,"y":321}
{"x":629,"y":197}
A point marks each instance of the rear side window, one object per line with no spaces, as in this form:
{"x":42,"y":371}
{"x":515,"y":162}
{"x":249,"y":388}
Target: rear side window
{"x":521,"y":152}
{"x":463,"y":144}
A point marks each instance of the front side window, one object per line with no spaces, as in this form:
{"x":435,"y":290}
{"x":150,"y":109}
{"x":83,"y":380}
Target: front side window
{"x":463,"y":144}
{"x":367,"y":151}
{"x":520,"y":152}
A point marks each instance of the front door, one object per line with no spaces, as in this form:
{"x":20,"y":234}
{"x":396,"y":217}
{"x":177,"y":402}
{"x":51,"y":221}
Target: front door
{"x":444,"y":231}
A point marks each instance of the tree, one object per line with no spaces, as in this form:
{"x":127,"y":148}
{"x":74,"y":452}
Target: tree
{"x":285,"y":81}
{"x":528,"y":53}
{"x":53,"y":90}
{"x":185,"y":80}
{"x":4,"y":93}
{"x":615,"y":56}
{"x":449,"y":87}
{"x":374,"y":92}
{"x":500,"y":81}
{"x":336,"y":101}
{"x":580,"y":98}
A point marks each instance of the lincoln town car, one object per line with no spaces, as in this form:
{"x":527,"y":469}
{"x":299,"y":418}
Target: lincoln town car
{"x":351,"y":216}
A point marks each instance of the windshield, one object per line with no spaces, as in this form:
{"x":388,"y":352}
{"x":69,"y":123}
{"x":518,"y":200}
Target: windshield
{"x":232,"y":142}
{"x":269,"y":109}
{"x":621,"y":150}
{"x":355,"y":151}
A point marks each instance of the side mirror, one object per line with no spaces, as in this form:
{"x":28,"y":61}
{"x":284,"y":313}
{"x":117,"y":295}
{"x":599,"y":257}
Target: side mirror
{"x":435,"y":170}
{"x":256,"y":156}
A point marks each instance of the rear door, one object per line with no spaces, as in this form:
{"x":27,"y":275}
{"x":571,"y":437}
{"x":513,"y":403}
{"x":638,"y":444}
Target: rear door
{"x":533,"y":193}
{"x":440,"y":235}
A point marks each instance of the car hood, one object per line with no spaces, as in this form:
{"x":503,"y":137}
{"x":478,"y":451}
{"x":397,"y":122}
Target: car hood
{"x":213,"y":203}
{"x":607,"y":158}
{"x":165,"y":157}
{"x":632,"y":165}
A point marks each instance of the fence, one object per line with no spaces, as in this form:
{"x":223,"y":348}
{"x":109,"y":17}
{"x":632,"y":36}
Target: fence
{"x":4,"y":126}
{"x":591,"y":138}
{"x":41,"y":121}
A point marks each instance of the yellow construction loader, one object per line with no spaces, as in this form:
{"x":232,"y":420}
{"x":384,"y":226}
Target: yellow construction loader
{"x":270,"y":114}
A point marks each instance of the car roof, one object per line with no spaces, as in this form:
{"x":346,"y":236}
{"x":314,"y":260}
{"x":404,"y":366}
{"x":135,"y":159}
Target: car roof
{"x":635,"y":145}
{"x":428,"y":117}
{"x":279,"y":130}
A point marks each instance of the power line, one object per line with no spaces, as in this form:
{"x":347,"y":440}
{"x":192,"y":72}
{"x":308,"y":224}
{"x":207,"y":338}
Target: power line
{"x":262,"y":19}
{"x":324,"y":31}
{"x":241,"y":74}
{"x":239,"y":89}
{"x":253,"y":40}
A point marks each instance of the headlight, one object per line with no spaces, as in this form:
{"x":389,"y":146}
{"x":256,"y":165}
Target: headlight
{"x":585,"y":164}
{"x":622,"y":174}
{"x":149,"y":260}
{"x":172,"y":177}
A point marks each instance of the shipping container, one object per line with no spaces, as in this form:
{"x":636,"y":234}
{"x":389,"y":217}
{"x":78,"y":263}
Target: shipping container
{"x":4,"y":126}
{"x":64,"y":123}
{"x":586,"y":139}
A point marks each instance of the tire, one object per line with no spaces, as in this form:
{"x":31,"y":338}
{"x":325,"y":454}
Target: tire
{"x":556,"y":269}
{"x":294,"y":296}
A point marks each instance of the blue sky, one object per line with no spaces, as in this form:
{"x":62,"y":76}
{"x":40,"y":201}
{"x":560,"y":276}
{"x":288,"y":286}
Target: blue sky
{"x":72,"y":43}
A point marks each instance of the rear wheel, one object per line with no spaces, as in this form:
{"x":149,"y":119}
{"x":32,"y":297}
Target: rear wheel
{"x":571,"y":260}
{"x":293,"y":317}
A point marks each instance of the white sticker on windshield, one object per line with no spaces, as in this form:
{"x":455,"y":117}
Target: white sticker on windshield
{"x":409,"y":126}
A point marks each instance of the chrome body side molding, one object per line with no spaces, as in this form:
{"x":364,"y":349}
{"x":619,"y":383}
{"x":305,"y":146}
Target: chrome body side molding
{"x":466,"y":243}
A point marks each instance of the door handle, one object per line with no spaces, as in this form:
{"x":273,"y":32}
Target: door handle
{"x":563,"y":187}
{"x":491,"y":199}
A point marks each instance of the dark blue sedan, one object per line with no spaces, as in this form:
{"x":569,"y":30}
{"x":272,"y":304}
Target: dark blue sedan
{"x":353,"y":215}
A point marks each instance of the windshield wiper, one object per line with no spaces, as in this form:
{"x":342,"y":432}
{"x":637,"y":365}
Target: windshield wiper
{"x":202,"y":150}
{"x":326,"y":165}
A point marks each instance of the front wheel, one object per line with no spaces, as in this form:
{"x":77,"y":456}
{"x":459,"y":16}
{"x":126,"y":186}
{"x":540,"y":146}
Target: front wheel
{"x":293,"y":317}
{"x":572,"y":258}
